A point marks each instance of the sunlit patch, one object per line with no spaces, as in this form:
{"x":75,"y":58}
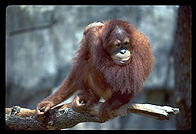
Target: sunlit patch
{"x":118,"y":30}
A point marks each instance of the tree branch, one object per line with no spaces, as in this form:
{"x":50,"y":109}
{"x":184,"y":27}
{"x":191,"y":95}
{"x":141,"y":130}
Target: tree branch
{"x":64,"y":116}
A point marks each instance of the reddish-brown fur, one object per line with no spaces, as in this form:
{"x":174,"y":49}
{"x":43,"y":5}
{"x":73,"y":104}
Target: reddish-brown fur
{"x":96,"y":75}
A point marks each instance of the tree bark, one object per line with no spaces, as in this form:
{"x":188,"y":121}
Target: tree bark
{"x":182,"y":65}
{"x":64,"y":116}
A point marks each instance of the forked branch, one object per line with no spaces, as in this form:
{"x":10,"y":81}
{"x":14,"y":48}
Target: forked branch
{"x":64,"y":116}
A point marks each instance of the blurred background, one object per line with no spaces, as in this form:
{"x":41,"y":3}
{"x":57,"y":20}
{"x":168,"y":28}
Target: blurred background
{"x":42,"y":40}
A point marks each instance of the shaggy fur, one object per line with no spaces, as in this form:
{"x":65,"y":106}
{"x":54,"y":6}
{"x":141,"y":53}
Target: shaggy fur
{"x":95,"y":73}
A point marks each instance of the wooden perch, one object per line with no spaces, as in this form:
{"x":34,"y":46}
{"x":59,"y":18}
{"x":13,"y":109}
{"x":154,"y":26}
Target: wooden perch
{"x":65,"y":117}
